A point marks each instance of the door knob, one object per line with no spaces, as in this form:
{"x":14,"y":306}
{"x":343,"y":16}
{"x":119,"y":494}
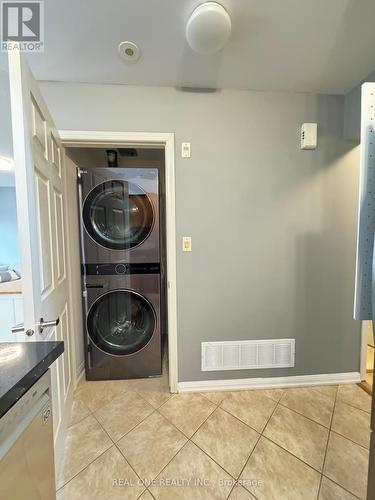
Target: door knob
{"x":46,"y":324}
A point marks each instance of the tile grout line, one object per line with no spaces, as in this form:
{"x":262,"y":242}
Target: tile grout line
{"x":353,"y":406}
{"x":235,"y":416}
{"x":174,"y":456}
{"x":141,"y":396}
{"x":242,"y":422}
{"x":313,"y":421}
{"x":293,"y":455}
{"x":339,"y":485}
{"x":115,"y":445}
{"x":348,"y":439}
{"x":180,"y":429}
{"x":78,"y":473}
{"x":148,"y":491}
{"x":172,"y":424}
{"x":135,"y":426}
{"x":155,"y":411}
{"x":213,"y":459}
{"x":112,"y":445}
{"x":278,"y":445}
{"x":75,"y":475}
{"x":331,"y":420}
{"x":104,"y":404}
{"x":189,"y":440}
{"x":82,"y":418}
{"x":218,"y":406}
{"x":306,"y":416}
{"x":132,"y":468}
{"x":252,"y":451}
{"x":329,"y":437}
{"x":204,"y":421}
{"x":274,"y":442}
{"x":79,"y":421}
{"x":205,"y":453}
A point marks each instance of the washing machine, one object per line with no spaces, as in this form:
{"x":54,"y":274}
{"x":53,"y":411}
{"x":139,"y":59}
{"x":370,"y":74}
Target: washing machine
{"x":120,"y":215}
{"x":122,"y":321}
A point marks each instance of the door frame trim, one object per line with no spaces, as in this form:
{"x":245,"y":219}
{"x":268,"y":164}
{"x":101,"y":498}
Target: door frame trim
{"x":363,"y":356}
{"x":80,"y":138}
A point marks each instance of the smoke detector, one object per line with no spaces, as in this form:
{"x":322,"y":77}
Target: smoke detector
{"x":129,"y":51}
{"x":208,"y":28}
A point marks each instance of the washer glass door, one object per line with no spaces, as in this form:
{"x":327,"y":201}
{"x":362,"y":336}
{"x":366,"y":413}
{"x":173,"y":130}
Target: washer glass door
{"x":118,"y":215}
{"x":121,"y":322}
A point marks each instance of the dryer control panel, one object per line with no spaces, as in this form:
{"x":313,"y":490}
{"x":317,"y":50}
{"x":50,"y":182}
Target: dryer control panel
{"x":120,"y":268}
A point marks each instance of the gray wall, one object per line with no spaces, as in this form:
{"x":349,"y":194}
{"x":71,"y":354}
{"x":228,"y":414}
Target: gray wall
{"x":273,"y":227}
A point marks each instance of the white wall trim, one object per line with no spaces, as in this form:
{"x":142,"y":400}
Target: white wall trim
{"x":78,"y":138}
{"x":364,"y":334}
{"x":269,"y":382}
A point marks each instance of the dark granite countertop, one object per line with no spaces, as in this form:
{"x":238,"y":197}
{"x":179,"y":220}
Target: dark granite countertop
{"x":21,"y":365}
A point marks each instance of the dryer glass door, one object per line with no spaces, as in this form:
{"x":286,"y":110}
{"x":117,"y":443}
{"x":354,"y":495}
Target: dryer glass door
{"x":121,"y":322}
{"x":118,"y":215}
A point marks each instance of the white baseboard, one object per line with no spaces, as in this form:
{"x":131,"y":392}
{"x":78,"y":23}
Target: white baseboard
{"x":269,"y":382}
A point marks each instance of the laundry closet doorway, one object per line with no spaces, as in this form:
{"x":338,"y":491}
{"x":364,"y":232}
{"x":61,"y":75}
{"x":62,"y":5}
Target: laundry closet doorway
{"x":143,"y":142}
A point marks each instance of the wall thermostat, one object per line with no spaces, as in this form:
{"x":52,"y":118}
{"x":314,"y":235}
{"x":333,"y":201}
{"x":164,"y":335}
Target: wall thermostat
{"x":309,"y":136}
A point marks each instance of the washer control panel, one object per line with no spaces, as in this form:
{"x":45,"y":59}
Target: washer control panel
{"x":120,"y":268}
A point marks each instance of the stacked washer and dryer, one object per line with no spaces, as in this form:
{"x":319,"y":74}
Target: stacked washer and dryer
{"x":121,"y":272}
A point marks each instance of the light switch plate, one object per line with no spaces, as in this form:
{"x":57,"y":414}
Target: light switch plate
{"x":185,"y":150}
{"x":186,"y":243}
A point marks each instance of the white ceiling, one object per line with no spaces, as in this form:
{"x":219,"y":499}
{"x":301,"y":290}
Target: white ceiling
{"x":324,"y":46}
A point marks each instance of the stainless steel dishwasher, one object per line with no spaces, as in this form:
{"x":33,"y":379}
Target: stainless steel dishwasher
{"x":27,"y":470}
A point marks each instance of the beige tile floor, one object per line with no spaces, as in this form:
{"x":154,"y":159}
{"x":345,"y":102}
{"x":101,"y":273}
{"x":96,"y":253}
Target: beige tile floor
{"x":132,"y":439}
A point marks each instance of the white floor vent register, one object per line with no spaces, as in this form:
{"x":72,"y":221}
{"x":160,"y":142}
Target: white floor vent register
{"x":248,"y":354}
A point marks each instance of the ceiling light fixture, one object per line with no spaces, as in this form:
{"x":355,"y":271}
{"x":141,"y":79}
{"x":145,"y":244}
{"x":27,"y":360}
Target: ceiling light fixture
{"x":6,"y":164}
{"x":129,"y":51}
{"x":208,"y":28}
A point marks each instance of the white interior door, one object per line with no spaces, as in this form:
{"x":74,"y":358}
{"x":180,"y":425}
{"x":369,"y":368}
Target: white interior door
{"x":42,"y":226}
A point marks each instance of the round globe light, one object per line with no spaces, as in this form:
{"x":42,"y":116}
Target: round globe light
{"x":208,"y":28}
